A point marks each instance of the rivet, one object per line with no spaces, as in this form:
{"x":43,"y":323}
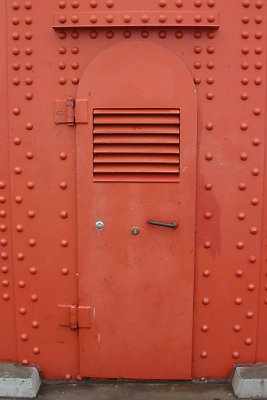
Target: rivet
{"x":62,"y":50}
{"x":254,"y":201}
{"x":16,"y":51}
{"x":206,"y":273}
{"x":252,"y":259}
{"x":5,"y":283}
{"x":6,"y":296}
{"x":64,"y":214}
{"x":209,"y":95}
{"x":162,"y":18}
{"x":28,"y":5}
{"x":68,"y":377}
{"x":239,"y":273}
{"x":28,"y":20}
{"x":258,"y":50}
{"x":4,"y":255}
{"x":242,"y":186}
{"x":258,"y":65}
{"x":258,"y":19}
{"x":93,"y":3}
{"x":211,"y":3}
{"x":257,"y":111}
{"x":249,"y":315}
{"x":32,"y":242}
{"x":28,"y":80}
{"x":34,"y":297}
{"x":240,"y":245}
{"x":253,"y":230}
{"x":64,"y":243}
{"x":238,"y":301}
{"x":145,"y":34}
{"x":62,"y":35}
{"x":244,"y":81}
{"x":28,"y":51}
{"x":3,"y":242}
{"x":245,"y":19}
{"x":75,"y":65}
{"x":256,"y":141}
{"x":197,"y":3}
{"x":31,"y":214}
{"x":2,"y":185}
{"x":3,"y":228}
{"x":127,"y":34}
{"x":15,"y":36}
{"x":25,"y":362}
{"x":93,"y":35}
{"x":208,"y":156}
{"x":144,"y":18}
{"x":30,"y":185}
{"x":62,"y":4}
{"x":258,"y":35}
{"x":162,"y":34}
{"x":208,"y":215}
{"x":75,"y":50}
{"x":21,"y":284}
{"x":197,"y":80}
{"x":197,"y":35}
{"x":75,"y":4}
{"x":210,"y":65}
{"x":2,"y":199}
{"x":210,"y":49}
{"x":22,"y":310}
{"x":24,"y":337}
{"x":20,"y":256}
{"x":75,"y":19}
{"x":62,"y":19}
{"x":207,"y":244}
{"x":243,"y":156}
{"x":204,"y":328}
{"x":127,"y":18}
{"x":16,"y":81}
{"x":179,"y":19}
{"x":2,"y":213}
{"x":75,"y":35}
{"x":75,"y":80}
{"x":244,"y":65}
{"x":235,"y":354}
{"x":248,"y":341}
{"x":245,"y":50}
{"x":62,"y":65}
{"x":28,"y":96}
{"x":208,"y":186}
{"x":33,"y":270}
{"x":4,"y":269}
{"x":18,"y":170}
{"x":62,"y":80}
{"x":255,"y":171}
{"x":36,"y":350}
{"x":251,"y":287}
{"x":109,"y":18}
{"x":16,"y":66}
{"x":244,"y":96}
{"x":35,"y":324}
{"x":211,"y":35}
{"x":259,"y":4}
{"x":29,"y":126}
{"x":28,"y":65}
{"x":179,"y":3}
{"x":65,"y":271}
{"x":63,"y":156}
{"x":244,"y":35}
{"x":203,"y":354}
{"x":15,"y":5}
{"x":109,"y":34}
{"x":257,"y":81}
{"x":205,"y":301}
{"x":162,"y":3}
{"x":209,"y":126}
{"x":197,"y":18}
{"x":179,"y":34}
{"x":237,"y":328}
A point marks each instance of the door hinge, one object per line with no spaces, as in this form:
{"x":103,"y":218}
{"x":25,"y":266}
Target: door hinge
{"x":71,"y":111}
{"x":74,"y":317}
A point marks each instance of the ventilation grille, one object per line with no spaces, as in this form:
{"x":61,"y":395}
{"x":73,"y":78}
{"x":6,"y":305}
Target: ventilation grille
{"x":136,"y":145}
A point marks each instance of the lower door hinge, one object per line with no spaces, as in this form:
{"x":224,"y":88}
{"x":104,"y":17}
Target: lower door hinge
{"x":71,"y":111}
{"x":74,"y":317}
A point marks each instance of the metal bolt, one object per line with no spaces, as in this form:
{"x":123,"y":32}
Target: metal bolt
{"x":99,"y":225}
{"x":135,"y":230}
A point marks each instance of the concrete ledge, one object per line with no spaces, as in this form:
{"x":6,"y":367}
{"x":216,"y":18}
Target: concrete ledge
{"x":18,"y":381}
{"x":250,"y":381}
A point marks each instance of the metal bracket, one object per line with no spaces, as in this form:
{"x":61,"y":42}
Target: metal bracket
{"x":71,"y":111}
{"x":74,"y":317}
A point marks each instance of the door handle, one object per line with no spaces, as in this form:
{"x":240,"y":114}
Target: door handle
{"x":172,"y":225}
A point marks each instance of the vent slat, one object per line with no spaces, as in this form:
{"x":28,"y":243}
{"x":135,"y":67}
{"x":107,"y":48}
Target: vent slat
{"x":137,"y":129}
{"x":136,"y":158}
{"x":133,"y":145}
{"x":136,"y":139}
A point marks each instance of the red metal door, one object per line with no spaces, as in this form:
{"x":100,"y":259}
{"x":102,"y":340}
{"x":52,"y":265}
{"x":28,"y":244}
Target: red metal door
{"x":136,"y":161}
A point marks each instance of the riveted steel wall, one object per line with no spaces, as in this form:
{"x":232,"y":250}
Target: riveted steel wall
{"x":48,"y":46}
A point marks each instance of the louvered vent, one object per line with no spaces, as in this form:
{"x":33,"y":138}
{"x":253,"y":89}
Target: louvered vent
{"x":136,"y":145}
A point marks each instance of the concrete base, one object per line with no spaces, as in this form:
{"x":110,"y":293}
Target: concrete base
{"x":250,"y":381}
{"x":18,"y":381}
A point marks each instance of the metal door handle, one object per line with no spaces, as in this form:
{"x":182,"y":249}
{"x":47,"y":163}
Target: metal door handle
{"x":172,"y":225}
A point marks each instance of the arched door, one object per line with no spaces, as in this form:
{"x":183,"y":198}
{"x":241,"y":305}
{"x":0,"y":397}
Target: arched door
{"x":136,"y":167}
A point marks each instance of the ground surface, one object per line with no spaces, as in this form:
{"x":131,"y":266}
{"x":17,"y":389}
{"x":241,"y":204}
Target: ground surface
{"x":136,"y":391}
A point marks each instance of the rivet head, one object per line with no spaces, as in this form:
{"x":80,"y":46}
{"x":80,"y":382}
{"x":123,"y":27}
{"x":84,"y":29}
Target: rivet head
{"x":205,"y":301}
{"x":207,"y":244}
{"x":25,"y":362}
{"x":249,"y":315}
{"x":28,"y":96}
{"x":162,"y":18}
{"x":253,"y":230}
{"x":30,"y":185}
{"x":6,"y":296}
{"x":4,"y":269}
{"x":109,"y":18}
{"x":179,"y":3}
{"x":179,"y":19}
{"x":197,"y":65}
{"x":208,"y":156}
{"x":21,"y":284}
{"x":256,"y":141}
{"x":240,"y":245}
{"x":65,"y":271}
{"x":64,"y":243}
{"x":235,"y":355}
{"x":248,"y":341}
{"x":204,"y":354}
{"x":20,"y":256}
{"x":252,"y":259}
{"x":127,"y":18}
{"x":62,"y":19}
{"x":109,"y":3}
{"x":32,"y":242}
{"x":162,"y":3}
{"x":208,"y":215}
{"x":197,"y":18}
{"x":5,"y":283}
{"x":254,"y":201}
{"x":64,"y":214}
{"x":204,"y":328}
{"x":62,"y":4}
{"x":36,"y":350}
{"x":63,"y":156}
{"x":34,"y":297}
{"x":33,"y":270}
{"x":255,"y":171}
{"x":239,"y":273}
{"x":22,"y":311}
{"x":238,"y":301}
{"x":251,"y":287}
{"x":243,"y":156}
{"x":75,"y":19}
{"x":209,"y":95}
{"x":237,"y":328}
{"x":242,"y":186}
{"x":63,"y":185}
{"x":31,"y":214}
{"x":35,"y":324}
{"x":208,"y":186}
{"x":206,"y":273}
{"x":68,"y":377}
{"x":3,"y":228}
{"x":144,"y":18}
{"x":24,"y":337}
